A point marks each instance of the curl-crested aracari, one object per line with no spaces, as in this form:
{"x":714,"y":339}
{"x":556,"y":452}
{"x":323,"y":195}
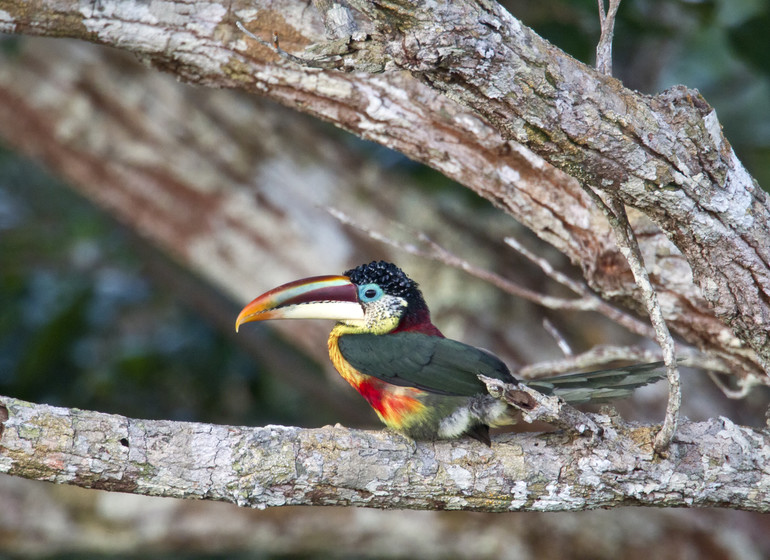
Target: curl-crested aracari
{"x":420,"y":383}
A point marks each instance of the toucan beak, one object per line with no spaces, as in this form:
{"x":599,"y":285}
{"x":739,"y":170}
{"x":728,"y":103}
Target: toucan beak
{"x":319,"y":297}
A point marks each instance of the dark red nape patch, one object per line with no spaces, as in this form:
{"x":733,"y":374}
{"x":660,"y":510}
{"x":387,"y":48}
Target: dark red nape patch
{"x":418,"y":321}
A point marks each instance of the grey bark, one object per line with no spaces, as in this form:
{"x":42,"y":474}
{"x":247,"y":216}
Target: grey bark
{"x":521,"y":103}
{"x":713,"y":463}
{"x":664,"y":155}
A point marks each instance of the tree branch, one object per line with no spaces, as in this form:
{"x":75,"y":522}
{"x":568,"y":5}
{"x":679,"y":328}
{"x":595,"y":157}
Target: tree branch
{"x":616,"y":215}
{"x":604,"y":47}
{"x":535,"y":406}
{"x":665,"y":156}
{"x":714,"y":463}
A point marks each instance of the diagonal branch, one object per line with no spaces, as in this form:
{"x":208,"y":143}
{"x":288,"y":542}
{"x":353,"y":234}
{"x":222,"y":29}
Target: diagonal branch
{"x":513,"y":103}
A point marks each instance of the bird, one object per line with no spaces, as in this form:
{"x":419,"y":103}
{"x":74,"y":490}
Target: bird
{"x":420,"y":383}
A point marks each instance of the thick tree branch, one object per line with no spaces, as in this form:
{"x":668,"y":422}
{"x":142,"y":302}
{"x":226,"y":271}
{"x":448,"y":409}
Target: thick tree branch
{"x":714,"y":463}
{"x":665,"y":156}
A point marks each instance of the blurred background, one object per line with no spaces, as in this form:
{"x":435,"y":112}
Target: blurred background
{"x":116,"y":296}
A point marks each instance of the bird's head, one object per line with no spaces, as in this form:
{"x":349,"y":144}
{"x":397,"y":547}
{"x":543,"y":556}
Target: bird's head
{"x":374,"y":298}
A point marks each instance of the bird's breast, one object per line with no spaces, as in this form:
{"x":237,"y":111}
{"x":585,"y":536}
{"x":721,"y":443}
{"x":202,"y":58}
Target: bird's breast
{"x":398,"y":407}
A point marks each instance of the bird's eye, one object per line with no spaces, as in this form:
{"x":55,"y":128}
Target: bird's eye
{"x":369,"y":292}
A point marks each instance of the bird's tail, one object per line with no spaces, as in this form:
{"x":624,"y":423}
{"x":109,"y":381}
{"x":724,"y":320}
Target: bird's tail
{"x":600,"y":386}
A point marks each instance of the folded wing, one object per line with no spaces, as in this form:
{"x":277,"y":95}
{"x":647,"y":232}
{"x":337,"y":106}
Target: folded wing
{"x":431,"y":363}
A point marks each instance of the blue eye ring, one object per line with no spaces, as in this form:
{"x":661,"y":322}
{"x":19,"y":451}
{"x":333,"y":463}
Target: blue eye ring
{"x":369,"y":292}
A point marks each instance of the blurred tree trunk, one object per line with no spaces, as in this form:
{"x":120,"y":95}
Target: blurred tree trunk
{"x":237,"y":188}
{"x":40,"y":519}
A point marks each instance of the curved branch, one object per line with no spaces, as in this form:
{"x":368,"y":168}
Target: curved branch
{"x":665,"y":155}
{"x":714,"y":463}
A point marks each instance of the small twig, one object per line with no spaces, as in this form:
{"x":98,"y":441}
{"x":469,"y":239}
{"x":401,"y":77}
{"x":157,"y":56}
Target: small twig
{"x":438,"y":253}
{"x":580,"y":288}
{"x":604,"y":47}
{"x":705,"y":362}
{"x":535,"y":406}
{"x":561,"y":342}
{"x":276,"y":48}
{"x":596,"y":356}
{"x":745,"y":385}
{"x":626,"y":240}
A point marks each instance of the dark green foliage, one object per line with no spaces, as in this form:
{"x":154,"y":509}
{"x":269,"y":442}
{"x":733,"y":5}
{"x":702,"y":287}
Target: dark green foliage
{"x":743,"y":39}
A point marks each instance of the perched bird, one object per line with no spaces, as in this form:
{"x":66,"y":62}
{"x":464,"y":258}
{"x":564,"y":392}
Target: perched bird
{"x":419,"y":383}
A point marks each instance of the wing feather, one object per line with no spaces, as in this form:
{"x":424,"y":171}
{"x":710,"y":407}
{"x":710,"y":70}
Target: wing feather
{"x":431,"y":363}
{"x":600,"y":386}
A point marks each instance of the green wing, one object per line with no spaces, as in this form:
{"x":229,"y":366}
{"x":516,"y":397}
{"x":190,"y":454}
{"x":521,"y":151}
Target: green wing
{"x":447,"y":367}
{"x":413,"y":359}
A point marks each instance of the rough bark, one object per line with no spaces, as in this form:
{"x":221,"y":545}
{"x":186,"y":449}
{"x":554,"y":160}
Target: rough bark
{"x":518,"y":89}
{"x":714,"y":463}
{"x":664,"y":155}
